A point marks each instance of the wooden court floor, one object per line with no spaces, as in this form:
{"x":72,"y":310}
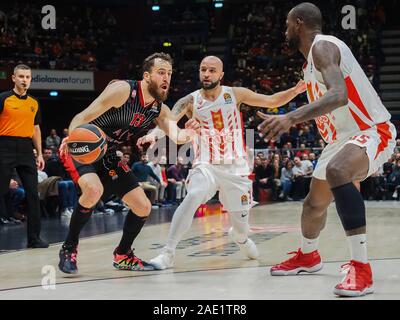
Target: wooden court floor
{"x":208,"y":265}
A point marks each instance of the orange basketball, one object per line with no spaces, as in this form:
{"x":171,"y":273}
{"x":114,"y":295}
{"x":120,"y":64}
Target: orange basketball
{"x":87,"y":143}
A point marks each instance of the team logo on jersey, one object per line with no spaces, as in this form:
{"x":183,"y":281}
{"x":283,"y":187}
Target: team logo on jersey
{"x":227,"y":98}
{"x":33,"y":109}
{"x":245,"y":199}
{"x":217,"y":120}
{"x":133,"y":95}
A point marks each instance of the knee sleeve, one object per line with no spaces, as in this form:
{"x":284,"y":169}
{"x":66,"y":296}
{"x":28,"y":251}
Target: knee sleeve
{"x":350,"y":206}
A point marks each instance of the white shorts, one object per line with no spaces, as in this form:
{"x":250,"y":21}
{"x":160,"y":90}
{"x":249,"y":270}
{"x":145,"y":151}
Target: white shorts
{"x":235,"y":191}
{"x":379,"y":143}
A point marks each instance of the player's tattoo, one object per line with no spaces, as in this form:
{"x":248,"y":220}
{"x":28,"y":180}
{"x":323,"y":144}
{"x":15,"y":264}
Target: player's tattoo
{"x":182,"y":105}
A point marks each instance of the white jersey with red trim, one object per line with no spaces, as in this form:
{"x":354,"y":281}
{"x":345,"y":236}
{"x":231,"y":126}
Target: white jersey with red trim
{"x":221,"y":141}
{"x":364,"y":109}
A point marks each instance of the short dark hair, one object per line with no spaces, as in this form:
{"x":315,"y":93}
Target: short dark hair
{"x":21,"y":67}
{"x":126,"y":153}
{"x":148,"y":63}
{"x":309,"y":13}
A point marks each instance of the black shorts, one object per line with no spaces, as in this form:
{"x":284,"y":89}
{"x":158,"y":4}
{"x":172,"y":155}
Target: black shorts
{"x":117,"y":178}
{"x":17,"y":153}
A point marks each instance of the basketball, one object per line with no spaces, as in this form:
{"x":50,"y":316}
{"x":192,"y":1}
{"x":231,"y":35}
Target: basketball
{"x":87,"y":144}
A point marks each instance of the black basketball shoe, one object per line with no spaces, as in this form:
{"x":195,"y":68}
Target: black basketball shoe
{"x":68,"y":264}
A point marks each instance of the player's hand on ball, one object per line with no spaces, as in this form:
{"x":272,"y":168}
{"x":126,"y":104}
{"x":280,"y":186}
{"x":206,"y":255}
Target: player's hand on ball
{"x":64,"y":147}
{"x":300,"y":87}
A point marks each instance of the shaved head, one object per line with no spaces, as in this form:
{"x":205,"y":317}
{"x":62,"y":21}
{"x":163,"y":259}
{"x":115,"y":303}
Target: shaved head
{"x":211,"y":72}
{"x":215,"y":61}
{"x":308,"y":13}
{"x":301,"y":20}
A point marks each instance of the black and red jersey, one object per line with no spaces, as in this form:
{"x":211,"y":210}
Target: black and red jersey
{"x":121,"y":124}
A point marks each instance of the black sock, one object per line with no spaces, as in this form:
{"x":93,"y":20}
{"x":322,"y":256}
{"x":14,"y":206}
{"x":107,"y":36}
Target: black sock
{"x":79,"y":218}
{"x":350,"y":206}
{"x":132,"y":226}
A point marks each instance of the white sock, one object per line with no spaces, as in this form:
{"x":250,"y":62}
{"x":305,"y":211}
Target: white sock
{"x":309,"y":245}
{"x":358,"y":247}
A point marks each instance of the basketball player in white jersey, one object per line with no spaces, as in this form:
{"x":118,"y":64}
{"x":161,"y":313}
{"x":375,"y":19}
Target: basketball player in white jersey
{"x":220,"y":156}
{"x":353,"y":121}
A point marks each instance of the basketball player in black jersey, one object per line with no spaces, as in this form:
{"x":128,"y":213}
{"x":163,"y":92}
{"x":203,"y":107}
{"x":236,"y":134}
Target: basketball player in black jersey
{"x":122,"y":110}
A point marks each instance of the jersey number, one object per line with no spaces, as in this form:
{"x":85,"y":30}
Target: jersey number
{"x":137,"y":120}
{"x":361,"y":139}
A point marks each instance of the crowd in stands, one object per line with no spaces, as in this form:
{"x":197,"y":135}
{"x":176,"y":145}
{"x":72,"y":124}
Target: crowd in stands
{"x":83,"y":39}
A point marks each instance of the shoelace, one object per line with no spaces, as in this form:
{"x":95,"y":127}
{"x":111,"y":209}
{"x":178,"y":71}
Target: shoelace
{"x":73,"y":256}
{"x":296,"y":254}
{"x":132,"y":259}
{"x":345,"y":270}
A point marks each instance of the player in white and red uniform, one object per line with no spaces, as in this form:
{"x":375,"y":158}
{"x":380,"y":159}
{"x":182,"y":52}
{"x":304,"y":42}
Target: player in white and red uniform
{"x":220,"y":155}
{"x":353,"y":121}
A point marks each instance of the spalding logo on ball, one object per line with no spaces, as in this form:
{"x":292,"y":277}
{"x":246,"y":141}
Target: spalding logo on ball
{"x":87,"y":143}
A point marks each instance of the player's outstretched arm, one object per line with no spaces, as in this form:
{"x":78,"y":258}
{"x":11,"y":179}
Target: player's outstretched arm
{"x":167,"y":123}
{"x":326,"y":57}
{"x":114,"y":95}
{"x":251,"y":98}
{"x":183,"y":106}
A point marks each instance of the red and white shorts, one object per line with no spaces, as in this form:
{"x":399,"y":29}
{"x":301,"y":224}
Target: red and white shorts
{"x":379,"y":143}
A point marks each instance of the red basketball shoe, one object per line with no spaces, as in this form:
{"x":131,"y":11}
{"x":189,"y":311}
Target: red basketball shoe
{"x":301,"y":262}
{"x":357,"y":282}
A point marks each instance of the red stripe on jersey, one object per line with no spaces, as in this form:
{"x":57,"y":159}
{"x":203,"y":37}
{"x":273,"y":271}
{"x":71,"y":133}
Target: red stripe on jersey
{"x":234,"y":133}
{"x":242,"y":125}
{"x":140,"y":93}
{"x":211,"y":143}
{"x":355,"y":98}
{"x":333,"y":133}
{"x":361,"y":124}
{"x":222,"y":147}
{"x":385,"y":134}
{"x":310,"y":92}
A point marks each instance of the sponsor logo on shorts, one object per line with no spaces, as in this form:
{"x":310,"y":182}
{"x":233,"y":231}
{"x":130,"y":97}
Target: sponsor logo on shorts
{"x":245,"y":199}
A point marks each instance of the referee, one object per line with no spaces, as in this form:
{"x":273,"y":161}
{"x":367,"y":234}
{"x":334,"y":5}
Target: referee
{"x":19,"y":128}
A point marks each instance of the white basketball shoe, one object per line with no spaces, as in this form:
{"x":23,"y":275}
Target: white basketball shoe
{"x":165,"y":260}
{"x":248,"y":248}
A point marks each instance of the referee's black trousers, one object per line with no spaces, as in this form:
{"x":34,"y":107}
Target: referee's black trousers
{"x":17,"y":153}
